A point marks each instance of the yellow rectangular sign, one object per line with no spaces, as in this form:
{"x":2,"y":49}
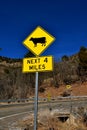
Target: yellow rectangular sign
{"x":38,"y":64}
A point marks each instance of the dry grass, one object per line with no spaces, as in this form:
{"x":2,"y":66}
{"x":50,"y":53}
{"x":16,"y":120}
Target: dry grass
{"x":53,"y":123}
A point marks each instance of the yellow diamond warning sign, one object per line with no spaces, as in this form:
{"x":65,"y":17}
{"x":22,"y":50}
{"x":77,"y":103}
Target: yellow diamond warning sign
{"x":37,"y":64}
{"x":38,"y":40}
{"x":68,"y":86}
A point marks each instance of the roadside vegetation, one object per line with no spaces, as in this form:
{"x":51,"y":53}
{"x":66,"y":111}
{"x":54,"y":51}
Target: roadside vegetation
{"x":14,"y":84}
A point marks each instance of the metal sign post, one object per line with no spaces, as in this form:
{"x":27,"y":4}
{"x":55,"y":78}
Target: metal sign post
{"x":36,"y":102}
{"x":37,"y":42}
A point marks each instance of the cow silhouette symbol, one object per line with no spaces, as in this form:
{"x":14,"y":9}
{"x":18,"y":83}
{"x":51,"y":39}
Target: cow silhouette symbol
{"x":40,"y":40}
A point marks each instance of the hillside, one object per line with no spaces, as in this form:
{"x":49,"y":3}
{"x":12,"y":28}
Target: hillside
{"x":70,"y":70}
{"x":77,"y":89}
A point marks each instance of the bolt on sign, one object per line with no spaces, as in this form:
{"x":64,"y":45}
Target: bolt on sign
{"x":37,"y":64}
{"x":38,"y":40}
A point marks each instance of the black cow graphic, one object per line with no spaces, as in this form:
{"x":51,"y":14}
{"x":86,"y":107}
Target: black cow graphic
{"x":41,"y":40}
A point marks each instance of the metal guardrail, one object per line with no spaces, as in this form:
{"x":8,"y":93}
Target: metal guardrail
{"x":73,"y":97}
{"x":31,"y":99}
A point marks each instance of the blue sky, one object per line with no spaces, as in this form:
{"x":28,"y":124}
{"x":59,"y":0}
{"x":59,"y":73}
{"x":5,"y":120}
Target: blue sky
{"x":66,"y":20}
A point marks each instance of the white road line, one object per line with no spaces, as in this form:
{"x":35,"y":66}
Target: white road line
{"x":14,"y":115}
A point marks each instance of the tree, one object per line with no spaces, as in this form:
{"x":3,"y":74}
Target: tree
{"x":82,"y":68}
{"x":83,"y":57}
{"x":65,"y":58}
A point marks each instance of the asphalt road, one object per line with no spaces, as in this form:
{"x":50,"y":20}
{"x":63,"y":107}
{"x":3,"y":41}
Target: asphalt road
{"x":11,"y":113}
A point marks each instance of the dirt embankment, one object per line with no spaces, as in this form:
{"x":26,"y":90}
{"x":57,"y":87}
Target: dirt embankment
{"x":77,"y":89}
{"x":50,"y":120}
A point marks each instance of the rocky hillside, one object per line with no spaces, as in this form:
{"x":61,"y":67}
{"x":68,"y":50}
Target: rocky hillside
{"x":15,"y":84}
